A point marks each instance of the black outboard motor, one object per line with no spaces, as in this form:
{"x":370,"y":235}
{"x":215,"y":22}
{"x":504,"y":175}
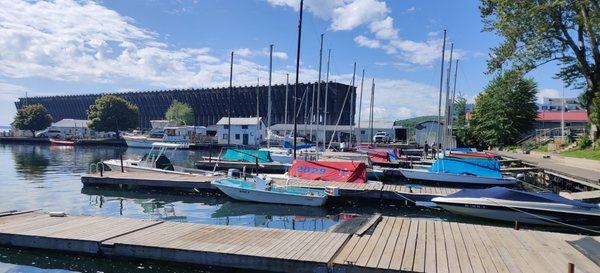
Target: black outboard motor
{"x":163,"y":162}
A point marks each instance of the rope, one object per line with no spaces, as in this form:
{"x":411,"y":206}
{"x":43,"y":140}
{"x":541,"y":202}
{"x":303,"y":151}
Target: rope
{"x":545,"y":218}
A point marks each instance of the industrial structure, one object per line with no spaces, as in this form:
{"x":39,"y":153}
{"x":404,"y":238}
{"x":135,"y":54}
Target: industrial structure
{"x":211,"y":104}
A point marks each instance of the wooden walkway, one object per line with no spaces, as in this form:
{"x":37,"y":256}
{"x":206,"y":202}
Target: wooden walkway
{"x":420,"y":245}
{"x":190,"y":182}
{"x":393,"y":244}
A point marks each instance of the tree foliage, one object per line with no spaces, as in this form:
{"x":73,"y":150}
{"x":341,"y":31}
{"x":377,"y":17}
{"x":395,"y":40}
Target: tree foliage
{"x":538,"y":32}
{"x":111,"y":114}
{"x":33,"y":117}
{"x":180,"y":112}
{"x":505,"y":110}
{"x":595,"y":111}
{"x":460,"y":127}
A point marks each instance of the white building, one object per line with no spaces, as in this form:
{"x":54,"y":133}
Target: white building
{"x":342,"y":132}
{"x":244,"y":131}
{"x":426,"y":132}
{"x":72,"y":128}
{"x":555,"y":104}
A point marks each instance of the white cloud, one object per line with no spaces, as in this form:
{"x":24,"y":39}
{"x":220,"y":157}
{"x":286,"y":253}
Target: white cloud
{"x":411,"y":9}
{"x":366,"y":42}
{"x":547,"y":93}
{"x":356,"y":13}
{"x":246,"y":52}
{"x":384,"y":29}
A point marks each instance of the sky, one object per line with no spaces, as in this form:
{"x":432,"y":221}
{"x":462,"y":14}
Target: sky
{"x":68,"y":47}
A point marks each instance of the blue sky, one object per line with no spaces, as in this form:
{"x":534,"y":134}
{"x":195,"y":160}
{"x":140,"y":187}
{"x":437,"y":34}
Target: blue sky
{"x":68,"y":47}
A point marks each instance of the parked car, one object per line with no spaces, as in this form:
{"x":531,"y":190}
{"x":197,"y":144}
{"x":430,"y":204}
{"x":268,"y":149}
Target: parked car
{"x":49,"y":133}
{"x":382,"y":137}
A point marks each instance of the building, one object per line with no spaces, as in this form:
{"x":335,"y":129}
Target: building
{"x":244,"y":131}
{"x":555,"y":104}
{"x":427,"y":131}
{"x":342,"y":132}
{"x":211,"y":104}
{"x":364,"y":135}
{"x":573,"y":119}
{"x":72,"y":128}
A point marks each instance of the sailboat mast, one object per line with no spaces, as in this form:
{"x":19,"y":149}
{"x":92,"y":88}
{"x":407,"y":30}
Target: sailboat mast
{"x":297,"y":73}
{"x":371,"y":110}
{"x":362,"y":81}
{"x":257,"y":107}
{"x":447,"y":104}
{"x":439,"y":118}
{"x":352,"y":105}
{"x":287,"y":87}
{"x":269,"y":96}
{"x":319,"y":91}
{"x":229,"y":101}
{"x":453,"y":99}
{"x":326,"y":92}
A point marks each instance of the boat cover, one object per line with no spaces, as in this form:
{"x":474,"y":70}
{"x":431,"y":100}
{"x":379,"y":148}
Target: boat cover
{"x":289,"y":145}
{"x":393,"y":154}
{"x":472,"y":154}
{"x":338,"y":171}
{"x":517,"y":195}
{"x":464,"y":149}
{"x":469,"y":166}
{"x":246,"y":155}
{"x":379,"y":156}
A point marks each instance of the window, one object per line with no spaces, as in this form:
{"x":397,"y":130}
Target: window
{"x":362,"y":132}
{"x":225,"y":126}
{"x":244,"y":126}
{"x":237,"y":136}
{"x":224,"y":136}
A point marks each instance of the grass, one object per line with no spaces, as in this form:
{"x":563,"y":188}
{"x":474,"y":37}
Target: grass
{"x":586,"y":153}
{"x":542,"y":148}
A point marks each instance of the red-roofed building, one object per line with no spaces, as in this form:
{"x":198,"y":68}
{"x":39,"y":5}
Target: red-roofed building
{"x":547,"y":120}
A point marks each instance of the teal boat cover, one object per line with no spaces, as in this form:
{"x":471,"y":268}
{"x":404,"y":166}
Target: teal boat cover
{"x":247,"y":155}
{"x":469,"y":166}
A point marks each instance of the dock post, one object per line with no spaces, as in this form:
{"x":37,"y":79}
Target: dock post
{"x":516,"y":225}
{"x":101,"y":170}
{"x":121,"y":158}
{"x":571,"y":268}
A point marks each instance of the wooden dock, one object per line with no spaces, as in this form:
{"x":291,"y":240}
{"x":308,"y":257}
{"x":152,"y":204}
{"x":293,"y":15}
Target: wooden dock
{"x":392,"y":244}
{"x":200,"y":182}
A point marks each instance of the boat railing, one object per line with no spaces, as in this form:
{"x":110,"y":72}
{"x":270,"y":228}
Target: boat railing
{"x":96,"y":167}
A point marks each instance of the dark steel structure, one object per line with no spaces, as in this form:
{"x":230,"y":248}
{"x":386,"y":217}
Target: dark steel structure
{"x":210,"y":104}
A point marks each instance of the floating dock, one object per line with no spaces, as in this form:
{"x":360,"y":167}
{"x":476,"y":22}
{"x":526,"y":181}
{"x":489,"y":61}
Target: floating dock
{"x":393,"y":244}
{"x":200,"y":182}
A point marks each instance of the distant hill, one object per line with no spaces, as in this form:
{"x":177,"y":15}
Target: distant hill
{"x":412,"y":122}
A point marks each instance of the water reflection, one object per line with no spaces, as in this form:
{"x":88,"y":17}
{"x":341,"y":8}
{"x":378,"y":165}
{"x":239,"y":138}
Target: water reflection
{"x":31,"y":162}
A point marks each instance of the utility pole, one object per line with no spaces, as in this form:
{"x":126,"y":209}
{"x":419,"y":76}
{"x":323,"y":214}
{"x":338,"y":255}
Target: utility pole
{"x":352,"y":105}
{"x":362,"y":81}
{"x":269,"y":97}
{"x":229,"y":101}
{"x":319,"y":91}
{"x":326,"y":92}
{"x":297,"y":73}
{"x":439,"y":119}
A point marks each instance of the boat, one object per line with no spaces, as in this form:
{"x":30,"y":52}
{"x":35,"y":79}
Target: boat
{"x":466,"y":171}
{"x":259,"y":189}
{"x":63,"y":142}
{"x":242,"y":158}
{"x":539,"y":208}
{"x":168,"y":134}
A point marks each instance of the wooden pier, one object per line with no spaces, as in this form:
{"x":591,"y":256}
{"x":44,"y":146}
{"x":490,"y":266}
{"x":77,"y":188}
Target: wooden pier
{"x":200,"y":182}
{"x":393,"y":244}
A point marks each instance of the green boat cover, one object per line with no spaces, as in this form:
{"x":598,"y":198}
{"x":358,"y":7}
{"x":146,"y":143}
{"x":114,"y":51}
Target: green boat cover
{"x":247,"y":155}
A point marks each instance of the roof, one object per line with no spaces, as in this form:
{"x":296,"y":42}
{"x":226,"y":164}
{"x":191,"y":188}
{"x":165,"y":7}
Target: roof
{"x":69,"y":122}
{"x":238,"y":121}
{"x":581,"y":116}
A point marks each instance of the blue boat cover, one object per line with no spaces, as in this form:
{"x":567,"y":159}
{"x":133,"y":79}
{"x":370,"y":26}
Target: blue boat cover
{"x":464,"y":149}
{"x":471,"y":166}
{"x":247,"y":155}
{"x":289,"y":145}
{"x":517,"y":195}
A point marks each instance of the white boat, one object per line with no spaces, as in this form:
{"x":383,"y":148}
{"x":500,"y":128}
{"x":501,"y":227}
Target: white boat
{"x":427,"y":175}
{"x":140,"y":141}
{"x":259,"y":189}
{"x":542,"y":208}
{"x":177,"y":135}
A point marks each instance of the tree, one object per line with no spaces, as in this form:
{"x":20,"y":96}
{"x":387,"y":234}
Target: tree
{"x":505,"y":110}
{"x":111,"y":114}
{"x":460,"y":127}
{"x":538,"y":32}
{"x":595,"y":111}
{"x":33,"y":117}
{"x":181,"y":113}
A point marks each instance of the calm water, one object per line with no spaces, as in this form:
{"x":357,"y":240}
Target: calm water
{"x":48,"y":178}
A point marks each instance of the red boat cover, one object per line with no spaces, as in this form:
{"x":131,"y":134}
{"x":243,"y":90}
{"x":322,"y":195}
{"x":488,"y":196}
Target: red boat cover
{"x":478,"y":155}
{"x":379,"y":156}
{"x":338,"y":171}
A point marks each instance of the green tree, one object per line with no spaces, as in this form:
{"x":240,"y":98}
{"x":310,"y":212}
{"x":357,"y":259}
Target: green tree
{"x":505,"y":110}
{"x":595,"y":111}
{"x":112,"y":114}
{"x":33,"y":117}
{"x":538,"y":32}
{"x":460,"y":128}
{"x":180,"y":112}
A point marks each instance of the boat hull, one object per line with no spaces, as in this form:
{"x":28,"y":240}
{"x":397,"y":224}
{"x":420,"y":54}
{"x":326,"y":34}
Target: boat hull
{"x":265,"y":196}
{"x":63,"y":142}
{"x":522,"y":215}
{"x":144,"y":142}
{"x":449,"y":178}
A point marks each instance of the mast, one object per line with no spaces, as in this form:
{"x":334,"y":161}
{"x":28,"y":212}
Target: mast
{"x":439,"y":118}
{"x":269,"y":96}
{"x":287,"y":87}
{"x":319,"y":91}
{"x":362,"y":81}
{"x":297,"y":73}
{"x":371,"y":110}
{"x":326,"y":92}
{"x":257,"y":107}
{"x":453,"y":99}
{"x":229,"y":101}
{"x":352,"y":105}
{"x":447,"y":105}
{"x":312,"y":111}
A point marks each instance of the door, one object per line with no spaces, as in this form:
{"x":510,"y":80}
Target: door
{"x":245,"y":139}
